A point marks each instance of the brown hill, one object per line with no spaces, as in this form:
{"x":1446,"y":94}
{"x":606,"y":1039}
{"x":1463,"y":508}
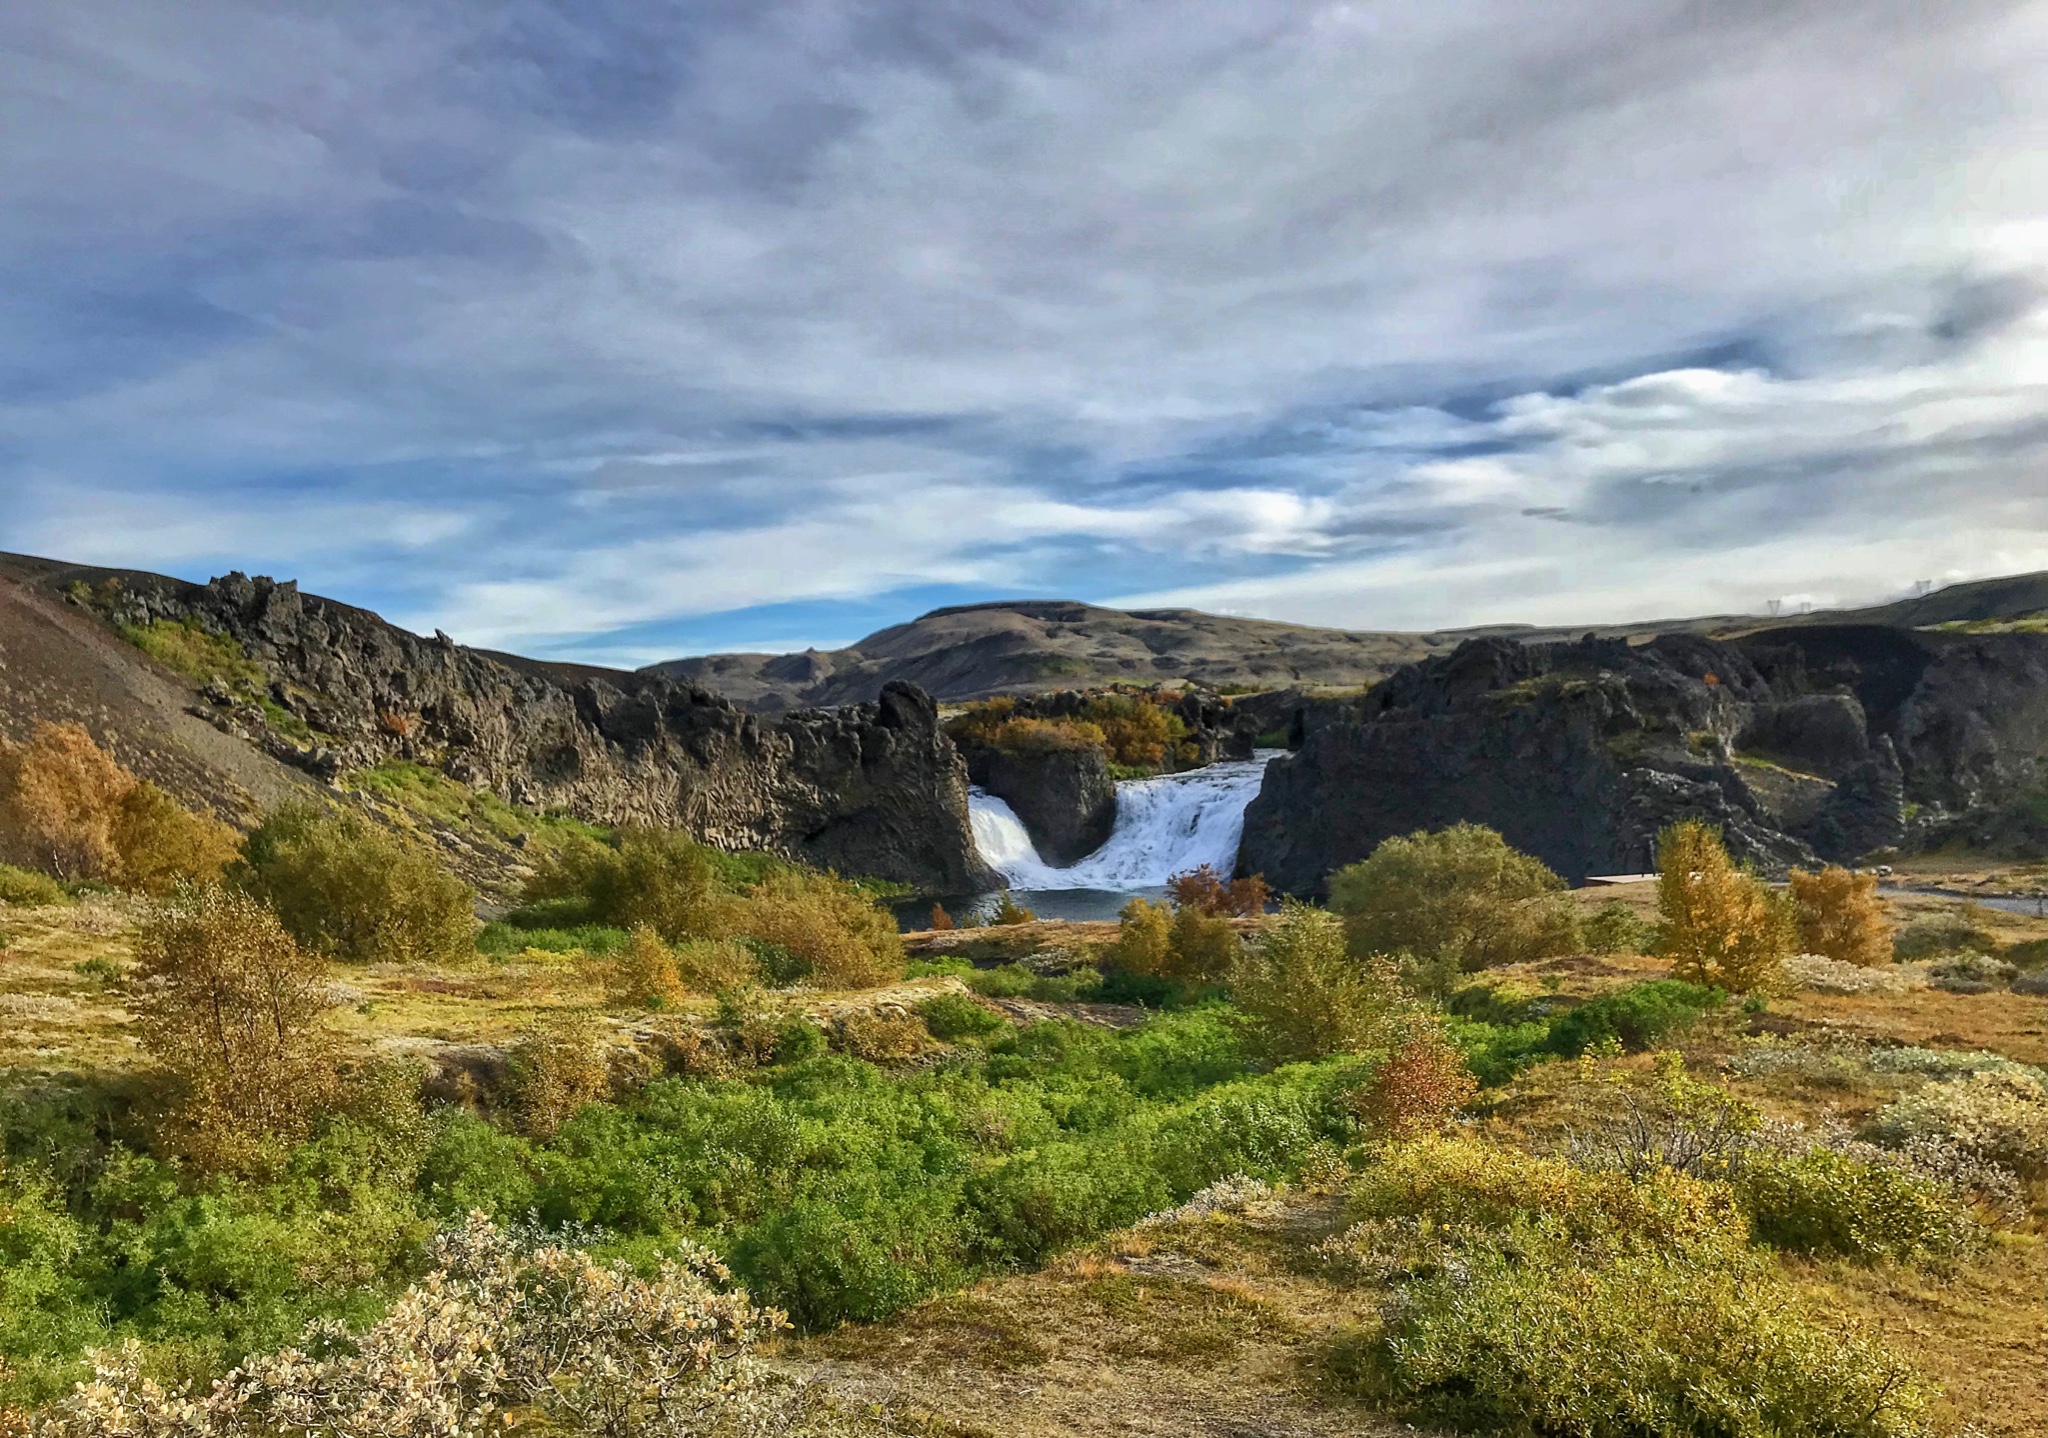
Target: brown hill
{"x":1036,"y":646}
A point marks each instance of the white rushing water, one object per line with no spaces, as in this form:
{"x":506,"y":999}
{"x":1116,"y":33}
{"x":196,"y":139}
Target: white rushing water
{"x":1164,"y":826}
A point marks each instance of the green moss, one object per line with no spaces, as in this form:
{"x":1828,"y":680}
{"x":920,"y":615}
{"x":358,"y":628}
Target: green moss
{"x":208,"y":658}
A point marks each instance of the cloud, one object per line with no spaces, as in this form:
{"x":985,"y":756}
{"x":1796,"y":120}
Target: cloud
{"x":544,"y":323}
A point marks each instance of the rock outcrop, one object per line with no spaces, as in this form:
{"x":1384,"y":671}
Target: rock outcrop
{"x":873,"y":789}
{"x":1799,"y":743}
{"x":1065,"y":798}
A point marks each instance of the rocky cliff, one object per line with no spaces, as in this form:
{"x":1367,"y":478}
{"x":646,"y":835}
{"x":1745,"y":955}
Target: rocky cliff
{"x":1065,"y":798}
{"x":872,"y":789}
{"x":1798,"y":742}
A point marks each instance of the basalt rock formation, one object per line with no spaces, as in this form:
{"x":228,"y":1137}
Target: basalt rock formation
{"x":1065,"y":798}
{"x":1800,"y":743}
{"x":874,"y":789}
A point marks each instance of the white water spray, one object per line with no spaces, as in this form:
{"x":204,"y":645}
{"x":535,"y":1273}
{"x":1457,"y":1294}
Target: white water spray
{"x":1164,"y":826}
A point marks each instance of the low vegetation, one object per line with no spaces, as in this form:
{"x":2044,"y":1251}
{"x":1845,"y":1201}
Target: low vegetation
{"x":1454,"y":1149}
{"x":69,"y":809}
{"x":1135,"y":733}
{"x":1454,"y":901}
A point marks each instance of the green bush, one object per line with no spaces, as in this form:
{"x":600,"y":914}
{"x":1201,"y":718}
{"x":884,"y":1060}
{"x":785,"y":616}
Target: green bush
{"x":1305,"y":996}
{"x":956,"y":1016}
{"x":1497,"y":1046}
{"x":1615,"y":929}
{"x":1532,"y":1296}
{"x":1014,"y":981}
{"x":25,"y":886}
{"x":1822,"y":1201}
{"x":1636,"y":1017}
{"x":1955,"y":931}
{"x":1456,"y":899}
{"x":1651,"y":1344}
{"x":655,"y":877}
{"x":346,"y":889}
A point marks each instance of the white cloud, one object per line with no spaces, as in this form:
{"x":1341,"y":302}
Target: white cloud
{"x":561,"y":321}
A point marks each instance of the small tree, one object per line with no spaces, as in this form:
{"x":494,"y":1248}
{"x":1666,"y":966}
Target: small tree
{"x":162,"y":844}
{"x":1460,"y":896}
{"x":1717,"y":923}
{"x":1421,"y":1085}
{"x":555,"y":1066}
{"x":347,"y":889}
{"x":1305,"y":996}
{"x":656,"y":877}
{"x":940,"y":920}
{"x":59,"y":794}
{"x":643,"y":973}
{"x":231,"y":1007}
{"x":1144,"y":939}
{"x":1202,"y":947}
{"x":1841,"y":916}
{"x":1207,"y":892}
{"x":846,"y":939}
{"x":68,"y":808}
{"x":1009,"y":911}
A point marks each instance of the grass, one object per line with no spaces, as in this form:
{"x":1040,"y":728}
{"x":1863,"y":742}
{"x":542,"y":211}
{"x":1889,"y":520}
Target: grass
{"x":206,"y":658}
{"x":1214,"y":1324}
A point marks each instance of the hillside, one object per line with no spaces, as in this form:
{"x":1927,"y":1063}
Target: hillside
{"x":1034,"y":646}
{"x":233,"y":693}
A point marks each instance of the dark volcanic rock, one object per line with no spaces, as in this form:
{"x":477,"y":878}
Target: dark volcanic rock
{"x":1796,"y":741}
{"x":867,"y":789}
{"x":1066,"y":799}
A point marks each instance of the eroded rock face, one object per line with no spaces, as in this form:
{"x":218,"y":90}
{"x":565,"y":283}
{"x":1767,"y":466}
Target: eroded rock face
{"x":1799,"y":743}
{"x":873,"y":789}
{"x":1066,"y":799}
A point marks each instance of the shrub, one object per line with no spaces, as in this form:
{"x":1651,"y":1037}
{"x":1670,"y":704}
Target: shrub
{"x":1305,"y":996}
{"x":1203,"y":947}
{"x":881,"y":1037}
{"x":346,"y":889}
{"x":1467,"y":1184}
{"x":25,"y":886}
{"x":940,"y":921}
{"x":231,"y":1007}
{"x":1207,"y":892}
{"x":1459,"y":898}
{"x":594,"y":1349}
{"x":956,"y":1016}
{"x":1955,"y":931}
{"x":1635,"y":1017}
{"x":712,"y":966}
{"x":1717,"y":924}
{"x":1999,"y":1115}
{"x":67,"y":807}
{"x":1971,"y":973}
{"x":1841,"y":916}
{"x":1534,"y":1296}
{"x":1420,"y":1086}
{"x":1668,"y":1121}
{"x":1137,"y":733}
{"x":1650,"y":1343}
{"x":655,"y":877}
{"x":59,"y":793}
{"x":1824,"y":975}
{"x":1009,"y":911}
{"x":642,"y":974}
{"x":1144,"y":939}
{"x":162,"y":844}
{"x":1823,"y":1201}
{"x":847,"y":941}
{"x":1014,"y":981}
{"x":554,"y":1067}
{"x":1615,"y":929}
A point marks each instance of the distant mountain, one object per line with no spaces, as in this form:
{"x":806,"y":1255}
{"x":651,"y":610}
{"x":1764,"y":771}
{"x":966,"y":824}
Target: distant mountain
{"x":1034,"y":646}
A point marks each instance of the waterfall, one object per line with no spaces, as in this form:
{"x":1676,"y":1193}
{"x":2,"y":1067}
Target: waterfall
{"x":1164,"y":826}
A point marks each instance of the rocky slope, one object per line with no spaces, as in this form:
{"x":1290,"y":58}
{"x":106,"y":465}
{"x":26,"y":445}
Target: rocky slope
{"x":1799,"y":741}
{"x":872,"y":789}
{"x":1037,"y":646}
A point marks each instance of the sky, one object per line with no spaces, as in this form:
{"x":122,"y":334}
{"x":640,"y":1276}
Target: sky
{"x":620,"y":331}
